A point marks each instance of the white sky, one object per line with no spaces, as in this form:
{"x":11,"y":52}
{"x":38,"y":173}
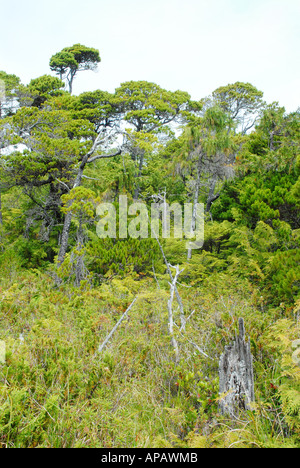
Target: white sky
{"x":191,"y":45}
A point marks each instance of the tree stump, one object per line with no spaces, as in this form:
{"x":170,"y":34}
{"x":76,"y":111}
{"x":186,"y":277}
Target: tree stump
{"x":236,"y":376}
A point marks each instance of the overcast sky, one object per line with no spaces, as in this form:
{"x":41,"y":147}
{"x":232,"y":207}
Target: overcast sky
{"x":191,"y":45}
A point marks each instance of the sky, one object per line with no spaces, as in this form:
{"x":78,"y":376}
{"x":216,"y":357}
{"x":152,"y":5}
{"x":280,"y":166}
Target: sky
{"x":190,"y":45}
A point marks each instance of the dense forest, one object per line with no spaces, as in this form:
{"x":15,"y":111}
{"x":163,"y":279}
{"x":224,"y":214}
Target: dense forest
{"x":116,"y":342}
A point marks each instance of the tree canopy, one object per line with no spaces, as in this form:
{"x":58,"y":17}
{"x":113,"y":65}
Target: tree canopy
{"x":242,"y":101}
{"x":9,"y":84}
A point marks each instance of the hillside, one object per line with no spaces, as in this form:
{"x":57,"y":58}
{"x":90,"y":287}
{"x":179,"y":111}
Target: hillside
{"x":79,"y":178}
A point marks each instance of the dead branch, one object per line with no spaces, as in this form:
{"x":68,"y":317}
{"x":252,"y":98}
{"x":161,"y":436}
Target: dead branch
{"x":102,"y":346}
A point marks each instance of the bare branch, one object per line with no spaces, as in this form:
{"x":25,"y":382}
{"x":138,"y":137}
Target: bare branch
{"x":195,"y":345}
{"x":182,"y":317}
{"x":65,"y":185}
{"x":89,"y":178}
{"x":102,"y":346}
{"x":103,"y":156}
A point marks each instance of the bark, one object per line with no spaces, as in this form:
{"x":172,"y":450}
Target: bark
{"x":196,"y":196}
{"x":170,"y":314}
{"x":80,"y":268}
{"x":64,"y":240}
{"x":1,"y":218}
{"x":70,"y":79}
{"x":211,"y":195}
{"x":236,"y":376}
{"x":137,"y":190}
{"x":271,"y":143}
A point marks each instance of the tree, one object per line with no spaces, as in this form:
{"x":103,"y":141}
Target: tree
{"x":150,"y":110}
{"x":81,"y":202}
{"x":88,"y":158}
{"x":46,"y":164}
{"x":100,"y":108}
{"x":262,"y":205}
{"x":8,"y":86}
{"x":58,"y":149}
{"x":242,"y":101}
{"x":275,"y":143}
{"x":72,"y":60}
{"x":43,"y":88}
{"x":281,"y":130}
{"x":204,"y":155}
{"x":212,"y":148}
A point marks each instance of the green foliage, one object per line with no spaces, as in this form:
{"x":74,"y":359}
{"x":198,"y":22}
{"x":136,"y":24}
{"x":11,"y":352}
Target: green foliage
{"x":73,"y":59}
{"x":122,"y":256}
{"x":259,"y":197}
{"x":8,"y":88}
{"x":44,"y":87}
{"x":81,"y":202}
{"x":241,"y":101}
{"x":97,"y":107}
{"x":11,"y":82}
{"x":56,"y":390}
{"x":148,"y":107}
{"x":283,"y":334}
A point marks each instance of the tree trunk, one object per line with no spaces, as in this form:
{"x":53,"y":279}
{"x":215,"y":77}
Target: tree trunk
{"x":1,"y":218}
{"x":70,"y":79}
{"x":64,"y":240}
{"x":236,"y":376}
{"x":80,"y":269}
{"x":211,"y":194}
{"x":137,"y":189}
{"x":67,"y":221}
{"x":170,"y":315}
{"x":196,"y":196}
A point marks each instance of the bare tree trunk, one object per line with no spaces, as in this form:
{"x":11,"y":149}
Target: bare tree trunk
{"x":196,"y":196}
{"x":1,"y":218}
{"x":64,"y":240}
{"x":137,"y":190}
{"x":211,"y":194}
{"x":70,"y":79}
{"x":171,"y":320}
{"x":68,"y":217}
{"x":80,"y":268}
{"x":271,"y":143}
{"x":236,"y":376}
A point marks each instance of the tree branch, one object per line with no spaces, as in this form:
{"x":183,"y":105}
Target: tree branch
{"x":102,"y":346}
{"x":182,"y":317}
{"x":103,"y":156}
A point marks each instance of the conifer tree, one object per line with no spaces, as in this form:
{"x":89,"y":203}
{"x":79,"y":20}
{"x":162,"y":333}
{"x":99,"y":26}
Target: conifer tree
{"x":71,"y":60}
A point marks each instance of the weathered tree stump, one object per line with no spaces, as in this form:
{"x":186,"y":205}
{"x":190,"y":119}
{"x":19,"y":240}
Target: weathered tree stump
{"x":236,"y":376}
